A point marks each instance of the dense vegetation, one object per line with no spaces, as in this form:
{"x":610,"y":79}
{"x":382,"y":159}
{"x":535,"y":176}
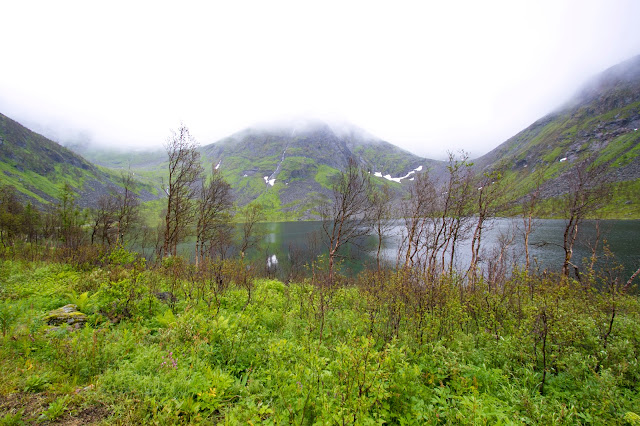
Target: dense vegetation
{"x":384,"y":347}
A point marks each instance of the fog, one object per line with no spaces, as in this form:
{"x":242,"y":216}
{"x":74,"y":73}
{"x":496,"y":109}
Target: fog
{"x":426,"y":77}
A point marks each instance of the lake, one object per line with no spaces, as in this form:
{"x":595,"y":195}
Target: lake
{"x":287,"y":242}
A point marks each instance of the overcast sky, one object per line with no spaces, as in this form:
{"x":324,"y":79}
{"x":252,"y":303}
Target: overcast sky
{"x":426,"y":76}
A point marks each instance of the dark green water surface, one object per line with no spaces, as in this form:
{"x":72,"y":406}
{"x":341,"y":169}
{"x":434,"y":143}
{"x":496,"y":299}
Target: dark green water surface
{"x":622,"y":237}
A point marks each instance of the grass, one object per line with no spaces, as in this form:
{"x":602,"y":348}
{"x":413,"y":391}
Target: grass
{"x":621,"y":150}
{"x":34,"y":185}
{"x":325,"y":175}
{"x":270,"y":200}
{"x":624,"y":203}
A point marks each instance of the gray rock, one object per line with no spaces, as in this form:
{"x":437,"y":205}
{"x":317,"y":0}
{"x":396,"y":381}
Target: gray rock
{"x":166,"y":296}
{"x":67,"y":314}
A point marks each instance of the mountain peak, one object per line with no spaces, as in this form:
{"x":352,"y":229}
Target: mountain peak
{"x":288,"y":165}
{"x":307,"y":125}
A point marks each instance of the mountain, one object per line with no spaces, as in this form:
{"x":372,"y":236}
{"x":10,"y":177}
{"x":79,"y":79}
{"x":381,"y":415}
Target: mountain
{"x":289,"y":168}
{"x":602,"y":122}
{"x":285,"y":167}
{"x":38,"y":168}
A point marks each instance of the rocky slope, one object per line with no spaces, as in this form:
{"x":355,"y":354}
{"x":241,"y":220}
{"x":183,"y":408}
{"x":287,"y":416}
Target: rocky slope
{"x":600,"y":122}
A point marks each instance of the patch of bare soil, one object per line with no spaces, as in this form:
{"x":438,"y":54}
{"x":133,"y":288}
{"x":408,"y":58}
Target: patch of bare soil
{"x":87,"y":416}
{"x":31,"y":405}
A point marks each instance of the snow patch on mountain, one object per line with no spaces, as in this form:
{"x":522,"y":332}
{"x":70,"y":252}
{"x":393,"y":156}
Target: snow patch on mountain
{"x":398,"y":179}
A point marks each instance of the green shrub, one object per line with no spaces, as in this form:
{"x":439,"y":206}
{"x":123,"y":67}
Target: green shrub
{"x":37,"y":382}
{"x":8,"y":315}
{"x":56,"y":409}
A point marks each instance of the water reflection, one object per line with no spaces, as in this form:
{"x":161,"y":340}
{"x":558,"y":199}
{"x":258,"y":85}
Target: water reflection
{"x":288,"y":246}
{"x":286,"y":240}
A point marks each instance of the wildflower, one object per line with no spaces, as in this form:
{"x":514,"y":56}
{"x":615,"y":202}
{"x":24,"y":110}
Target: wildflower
{"x":170,"y":361}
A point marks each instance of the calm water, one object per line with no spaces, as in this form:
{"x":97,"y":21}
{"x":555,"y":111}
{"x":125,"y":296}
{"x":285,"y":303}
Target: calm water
{"x":289,"y":241}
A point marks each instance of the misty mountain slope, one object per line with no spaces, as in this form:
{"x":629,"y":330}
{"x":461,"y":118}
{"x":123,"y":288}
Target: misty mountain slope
{"x":289,"y":169}
{"x":601,"y":122}
{"x":39,"y":167}
{"x":121,"y":158}
{"x":149,"y":166}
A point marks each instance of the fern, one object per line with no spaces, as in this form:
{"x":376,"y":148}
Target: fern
{"x":166,"y":318}
{"x":82,"y":301}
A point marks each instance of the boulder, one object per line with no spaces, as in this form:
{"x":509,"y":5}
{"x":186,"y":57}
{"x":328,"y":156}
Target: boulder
{"x":67,"y":314}
{"x":166,"y":296}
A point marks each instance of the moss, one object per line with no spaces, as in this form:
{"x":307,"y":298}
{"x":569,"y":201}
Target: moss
{"x":67,"y":314}
{"x":553,"y":155}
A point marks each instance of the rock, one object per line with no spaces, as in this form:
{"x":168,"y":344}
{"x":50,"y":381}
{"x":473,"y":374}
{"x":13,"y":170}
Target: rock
{"x":67,"y":314}
{"x":166,"y":296}
{"x":84,"y":389}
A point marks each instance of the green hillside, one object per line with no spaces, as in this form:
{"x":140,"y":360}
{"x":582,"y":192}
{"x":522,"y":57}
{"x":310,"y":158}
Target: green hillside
{"x":600,"y":123}
{"x":38,"y":168}
{"x":289,"y":170}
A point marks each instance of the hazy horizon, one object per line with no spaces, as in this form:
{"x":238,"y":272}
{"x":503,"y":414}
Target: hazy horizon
{"x":427,"y":78}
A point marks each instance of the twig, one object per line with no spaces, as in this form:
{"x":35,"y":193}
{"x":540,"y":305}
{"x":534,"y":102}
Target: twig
{"x":628,"y":284}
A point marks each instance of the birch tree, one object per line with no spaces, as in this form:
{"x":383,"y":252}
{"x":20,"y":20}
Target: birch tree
{"x":180,"y":188}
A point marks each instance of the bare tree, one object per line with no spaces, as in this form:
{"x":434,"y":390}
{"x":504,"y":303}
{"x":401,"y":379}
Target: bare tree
{"x":253,"y":213}
{"x":116,"y":213}
{"x":10,"y":212}
{"x":487,"y":204}
{"x":500,"y":258}
{"x":104,"y":219}
{"x":222,"y":240}
{"x":31,"y":223}
{"x":214,"y":202}
{"x":68,"y":219}
{"x":456,"y":210}
{"x":251,"y":236}
{"x":587,"y":191}
{"x":437,"y":218}
{"x":184,"y":171}
{"x":529,"y":204}
{"x":418,"y":211}
{"x":630,"y":280}
{"x":346,"y":217}
{"x":381,"y":216}
{"x":128,"y":206}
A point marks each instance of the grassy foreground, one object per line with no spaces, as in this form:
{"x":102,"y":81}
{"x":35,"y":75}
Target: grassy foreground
{"x":378,"y":350}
